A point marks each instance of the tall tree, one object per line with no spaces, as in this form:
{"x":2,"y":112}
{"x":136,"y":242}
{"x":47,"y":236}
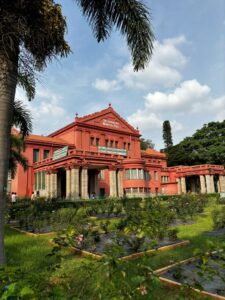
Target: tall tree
{"x":167,"y":134}
{"x":206,"y":146}
{"x":32,"y":34}
{"x":146,"y":143}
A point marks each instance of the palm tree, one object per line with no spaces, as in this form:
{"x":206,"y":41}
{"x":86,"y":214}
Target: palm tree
{"x":32,"y":34}
{"x":21,"y":119}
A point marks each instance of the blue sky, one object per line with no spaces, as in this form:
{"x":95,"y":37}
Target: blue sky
{"x":183,"y":83}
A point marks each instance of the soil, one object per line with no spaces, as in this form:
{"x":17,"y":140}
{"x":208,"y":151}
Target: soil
{"x":217,"y":233}
{"x":178,"y":222}
{"x":188,"y":274}
{"x":99,"y":247}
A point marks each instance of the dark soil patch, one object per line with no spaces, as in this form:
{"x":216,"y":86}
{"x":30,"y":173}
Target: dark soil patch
{"x":217,"y":233}
{"x":46,"y":229}
{"x":104,"y":241}
{"x":178,"y":222}
{"x":187,"y":274}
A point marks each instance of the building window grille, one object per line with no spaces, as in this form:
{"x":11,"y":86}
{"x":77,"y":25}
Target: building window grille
{"x":106,"y":143}
{"x":116,"y":144}
{"x":97,"y":141}
{"x":128,"y":190}
{"x":111,"y":143}
{"x":135,"y":190}
{"x":46,"y":154}
{"x":141,"y":189}
{"x":127,"y":174}
{"x":147,"y":175}
{"x":35,"y":155}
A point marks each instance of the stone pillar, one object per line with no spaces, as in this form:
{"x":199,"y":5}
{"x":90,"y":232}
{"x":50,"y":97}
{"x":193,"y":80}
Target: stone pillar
{"x":47,"y":184}
{"x":202,"y":184}
{"x":183,"y":185}
{"x":179,"y":186}
{"x":84,"y":183}
{"x":210,"y":184}
{"x":68,"y":183}
{"x":222,"y":183}
{"x":120,"y":182}
{"x":54,"y":184}
{"x":75,"y":183}
{"x":112,"y":183}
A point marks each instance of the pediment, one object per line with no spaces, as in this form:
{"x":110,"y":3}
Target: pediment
{"x":108,"y":119}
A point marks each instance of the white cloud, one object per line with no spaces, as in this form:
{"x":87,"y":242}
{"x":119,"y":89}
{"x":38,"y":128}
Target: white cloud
{"x":47,"y":110}
{"x":163,"y":70}
{"x":186,"y":96}
{"x":105,"y":85}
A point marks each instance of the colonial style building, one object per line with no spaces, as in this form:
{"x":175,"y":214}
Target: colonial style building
{"x":99,"y":155}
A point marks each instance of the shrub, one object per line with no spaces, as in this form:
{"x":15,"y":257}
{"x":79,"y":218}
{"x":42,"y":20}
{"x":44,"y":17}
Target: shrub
{"x":218,"y":217}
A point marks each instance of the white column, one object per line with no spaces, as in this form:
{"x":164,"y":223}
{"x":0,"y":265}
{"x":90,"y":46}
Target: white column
{"x":112,"y":183}
{"x":68,"y":183}
{"x":222,"y":183}
{"x":210,"y":184}
{"x":54,"y":184}
{"x":183,"y":185}
{"x":47,"y":184}
{"x":75,"y":183}
{"x":202,"y":184}
{"x":179,"y":186}
{"x":120,"y":182}
{"x":84,"y":183}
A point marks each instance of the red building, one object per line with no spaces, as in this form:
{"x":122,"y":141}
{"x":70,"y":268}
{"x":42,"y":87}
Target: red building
{"x":99,"y":155}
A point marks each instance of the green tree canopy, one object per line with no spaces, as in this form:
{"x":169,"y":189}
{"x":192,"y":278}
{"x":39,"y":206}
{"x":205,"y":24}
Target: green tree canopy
{"x":206,"y":146}
{"x":146,"y":143}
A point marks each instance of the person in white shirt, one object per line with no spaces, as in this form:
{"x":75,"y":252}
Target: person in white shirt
{"x":13,"y":198}
{"x":33,"y":196}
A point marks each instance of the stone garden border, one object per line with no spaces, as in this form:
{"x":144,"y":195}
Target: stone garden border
{"x":135,"y":255}
{"x":176,"y":285}
{"x":33,"y":234}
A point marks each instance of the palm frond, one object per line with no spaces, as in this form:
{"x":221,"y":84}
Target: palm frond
{"x":22,"y":118}
{"x":130,"y":17}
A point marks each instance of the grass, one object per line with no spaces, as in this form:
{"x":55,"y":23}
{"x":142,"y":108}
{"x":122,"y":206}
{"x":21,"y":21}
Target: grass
{"x":31,"y":255}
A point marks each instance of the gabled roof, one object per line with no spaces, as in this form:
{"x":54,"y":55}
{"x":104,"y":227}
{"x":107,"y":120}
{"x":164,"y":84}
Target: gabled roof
{"x":153,"y":153}
{"x":107,"y":112}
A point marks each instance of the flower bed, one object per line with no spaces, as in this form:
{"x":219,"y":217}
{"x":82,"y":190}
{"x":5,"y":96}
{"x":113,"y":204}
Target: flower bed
{"x":206,"y":276}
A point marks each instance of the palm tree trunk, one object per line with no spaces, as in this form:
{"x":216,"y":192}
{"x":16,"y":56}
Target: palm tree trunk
{"x":8,"y":81}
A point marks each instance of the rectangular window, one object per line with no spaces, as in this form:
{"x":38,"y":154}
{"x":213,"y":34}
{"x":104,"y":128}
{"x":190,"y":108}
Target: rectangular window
{"x":43,"y":181}
{"x":97,"y":141}
{"x":141,"y":189}
{"x":156,"y":191}
{"x":127,"y":174}
{"x":147,"y":175}
{"x":92,"y":139}
{"x":102,"y":174}
{"x":35,"y":155}
{"x":111,"y":143}
{"x":155,"y":175}
{"x":128,"y":190}
{"x":135,"y":190}
{"x":39,"y":181}
{"x":46,"y":154}
{"x":162,"y":179}
{"x":35,"y":181}
{"x":140,"y":174}
{"x":128,"y":146}
{"x":106,"y":143}
{"x":133,"y":173}
{"x":124,"y":145}
{"x":116,"y":144}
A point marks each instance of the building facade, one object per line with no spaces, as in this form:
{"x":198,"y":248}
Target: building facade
{"x":99,"y":155}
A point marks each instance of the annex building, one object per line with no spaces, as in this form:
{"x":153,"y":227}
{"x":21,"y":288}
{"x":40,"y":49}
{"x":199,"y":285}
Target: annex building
{"x":99,"y":154}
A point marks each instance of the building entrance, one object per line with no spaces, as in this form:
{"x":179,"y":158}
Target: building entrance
{"x":61,"y":183}
{"x":193,"y":184}
{"x":93,"y":183}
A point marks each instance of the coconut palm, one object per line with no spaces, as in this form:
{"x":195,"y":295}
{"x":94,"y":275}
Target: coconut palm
{"x":22,"y":120}
{"x":32,"y":34}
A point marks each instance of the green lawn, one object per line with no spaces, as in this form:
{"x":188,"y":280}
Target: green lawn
{"x":30,"y":254}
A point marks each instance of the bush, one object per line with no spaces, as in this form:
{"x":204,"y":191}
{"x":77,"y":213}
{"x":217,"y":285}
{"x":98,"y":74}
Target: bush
{"x":218,"y":217}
